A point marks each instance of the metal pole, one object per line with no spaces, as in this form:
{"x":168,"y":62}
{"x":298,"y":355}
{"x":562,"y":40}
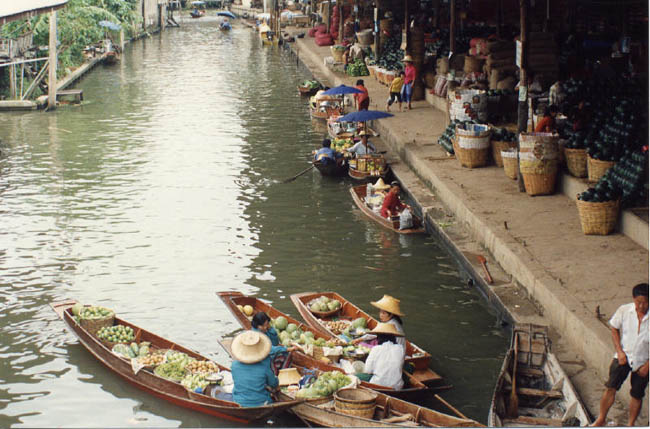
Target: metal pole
{"x":51,"y":84}
{"x":522,"y":118}
{"x":452,"y":26}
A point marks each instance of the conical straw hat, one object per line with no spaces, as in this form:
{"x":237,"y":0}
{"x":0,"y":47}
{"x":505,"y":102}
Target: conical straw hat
{"x":250,"y":347}
{"x":386,"y":328}
{"x":289,"y":376}
{"x":380,"y":184}
{"x":389,"y":304}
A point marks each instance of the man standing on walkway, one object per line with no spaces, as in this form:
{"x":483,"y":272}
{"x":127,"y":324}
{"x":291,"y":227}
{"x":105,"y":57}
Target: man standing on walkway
{"x":630,"y":336}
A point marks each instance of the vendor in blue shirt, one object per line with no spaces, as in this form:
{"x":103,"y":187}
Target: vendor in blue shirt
{"x":251,"y":370}
{"x":326,"y":154}
{"x":262,"y":323}
{"x":363,"y":147}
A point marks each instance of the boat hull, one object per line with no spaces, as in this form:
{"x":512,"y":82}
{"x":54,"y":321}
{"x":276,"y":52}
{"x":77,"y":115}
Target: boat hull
{"x":162,"y":388}
{"x":358,"y":193}
{"x":332,"y":169}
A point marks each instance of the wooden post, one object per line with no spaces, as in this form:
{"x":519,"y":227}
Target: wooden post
{"x":436,"y":13}
{"x":522,"y":117}
{"x":12,"y":82}
{"x":121,"y":40}
{"x":378,"y":30}
{"x":452,"y":26}
{"x":329,"y":15}
{"x":499,"y":17}
{"x":340,"y":6}
{"x":51,"y":83}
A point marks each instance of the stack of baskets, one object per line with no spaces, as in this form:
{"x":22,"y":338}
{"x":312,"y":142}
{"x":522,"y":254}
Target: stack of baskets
{"x":497,"y":147}
{"x":538,"y":162}
{"x":355,"y":402}
{"x":510,"y":163}
{"x":597,"y":168}
{"x":472,"y":144}
{"x":576,"y":161}
{"x":598,"y":218}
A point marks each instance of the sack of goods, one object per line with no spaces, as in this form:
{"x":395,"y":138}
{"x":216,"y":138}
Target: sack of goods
{"x":405,"y":219}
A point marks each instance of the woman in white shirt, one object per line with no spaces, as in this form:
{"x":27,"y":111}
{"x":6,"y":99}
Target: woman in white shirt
{"x":385,"y":360}
{"x":389,"y":312}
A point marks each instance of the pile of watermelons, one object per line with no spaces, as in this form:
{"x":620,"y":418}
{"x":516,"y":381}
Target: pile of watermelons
{"x":502,"y":134}
{"x":357,"y":68}
{"x":391,"y":54}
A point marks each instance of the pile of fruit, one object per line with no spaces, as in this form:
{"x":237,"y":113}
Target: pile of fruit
{"x":502,"y":134}
{"x":133,"y":350}
{"x":339,"y":144}
{"x":180,"y":358}
{"x":359,"y":326}
{"x":350,"y":350}
{"x":171,"y":371}
{"x":336,"y":326}
{"x":626,"y":180}
{"x":391,"y":54}
{"x":324,"y":304}
{"x":194,"y":381}
{"x":357,"y":68}
{"x":91,"y":313}
{"x":203,"y":366}
{"x":116,"y":334}
{"x":325,"y":385}
{"x":290,"y":332}
{"x":312,"y":84}
{"x":153,"y":359}
{"x":246,"y":309}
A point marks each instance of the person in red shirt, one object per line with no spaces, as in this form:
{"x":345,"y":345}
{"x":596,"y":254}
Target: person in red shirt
{"x":547,"y":123}
{"x":392,"y":205}
{"x":410,"y":73}
{"x":362,"y":99}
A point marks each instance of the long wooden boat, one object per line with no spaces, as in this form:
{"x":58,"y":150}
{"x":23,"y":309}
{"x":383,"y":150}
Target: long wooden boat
{"x":197,"y":13}
{"x":308,"y":91}
{"x":359,"y":195}
{"x":324,"y":108}
{"x":413,"y":390}
{"x":112,"y":57}
{"x":414,"y":354}
{"x":168,"y":390}
{"x":389,"y":412}
{"x":332,"y":169}
{"x":369,"y":167}
{"x":544,"y":395}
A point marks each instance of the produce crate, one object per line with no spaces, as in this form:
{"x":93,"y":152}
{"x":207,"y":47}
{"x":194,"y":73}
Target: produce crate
{"x":598,"y":218}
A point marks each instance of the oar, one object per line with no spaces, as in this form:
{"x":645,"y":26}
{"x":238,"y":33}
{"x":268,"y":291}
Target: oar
{"x":448,"y":405}
{"x":513,"y":404}
{"x":483,"y":262}
{"x":291,"y":179}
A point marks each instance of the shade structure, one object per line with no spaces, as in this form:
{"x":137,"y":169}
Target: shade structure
{"x":364,"y":115}
{"x":341,"y":90}
{"x":110,"y":25}
{"x":227,"y":13}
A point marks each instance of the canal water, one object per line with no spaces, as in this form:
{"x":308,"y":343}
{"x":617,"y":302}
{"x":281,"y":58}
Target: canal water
{"x":163,"y":188}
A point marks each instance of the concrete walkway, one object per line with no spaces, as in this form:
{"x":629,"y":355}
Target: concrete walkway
{"x":546,"y":271}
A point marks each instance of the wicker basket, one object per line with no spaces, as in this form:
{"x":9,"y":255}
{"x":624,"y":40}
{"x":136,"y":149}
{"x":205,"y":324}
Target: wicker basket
{"x":510,"y":163}
{"x":497,"y":147}
{"x":471,"y":158}
{"x":337,"y":53}
{"x":372,"y":70}
{"x":355,"y":402}
{"x":111,"y":344}
{"x":598,"y":218}
{"x":576,"y":161}
{"x":94,"y":325}
{"x":472,"y":145}
{"x":597,"y":168}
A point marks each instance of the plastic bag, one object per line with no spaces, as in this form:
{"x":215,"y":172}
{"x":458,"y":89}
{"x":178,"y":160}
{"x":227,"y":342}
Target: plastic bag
{"x":405,"y":219}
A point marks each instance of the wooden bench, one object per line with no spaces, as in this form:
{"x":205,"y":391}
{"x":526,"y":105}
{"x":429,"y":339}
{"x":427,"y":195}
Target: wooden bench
{"x":78,"y":94}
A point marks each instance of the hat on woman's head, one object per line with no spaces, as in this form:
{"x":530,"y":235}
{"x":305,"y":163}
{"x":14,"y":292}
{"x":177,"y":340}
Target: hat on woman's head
{"x":407,"y":58}
{"x":250,"y":347}
{"x":380,"y":185}
{"x":363,"y":133}
{"x":389,"y":304}
{"x":386,"y":328}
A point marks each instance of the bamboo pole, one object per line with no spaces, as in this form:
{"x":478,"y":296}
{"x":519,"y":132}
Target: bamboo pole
{"x":522,"y":117}
{"x":51,"y":84}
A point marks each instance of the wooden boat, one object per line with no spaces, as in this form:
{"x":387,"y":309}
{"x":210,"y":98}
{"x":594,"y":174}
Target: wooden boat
{"x":340,"y":130}
{"x":325,"y":107}
{"x":389,"y":412}
{"x":414,"y":354}
{"x":414,"y":387}
{"x":360,"y":171}
{"x":308,"y":90}
{"x":267,"y":36}
{"x":168,"y":390}
{"x":197,"y":13}
{"x":544,"y":395}
{"x":225,"y":26}
{"x":332,"y":169}
{"x":111,"y":58}
{"x":359,"y":195}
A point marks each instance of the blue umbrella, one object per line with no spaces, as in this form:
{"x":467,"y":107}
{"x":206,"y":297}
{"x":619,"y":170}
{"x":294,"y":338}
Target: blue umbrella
{"x":342,"y":89}
{"x":226,"y":13}
{"x":110,"y":25}
{"x":364,"y":115}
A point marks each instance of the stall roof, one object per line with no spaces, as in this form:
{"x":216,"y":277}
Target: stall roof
{"x":14,"y":10}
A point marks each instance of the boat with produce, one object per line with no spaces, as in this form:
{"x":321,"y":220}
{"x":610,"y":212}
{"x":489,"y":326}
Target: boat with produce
{"x":368,"y":167}
{"x":544,"y":395}
{"x":322,"y":107}
{"x":332,"y":401}
{"x":156,"y":365}
{"x":244,"y":307}
{"x":348,"y":319}
{"x":340,"y":130}
{"x":332,"y":169}
{"x":359,"y":197}
{"x":309,"y":88}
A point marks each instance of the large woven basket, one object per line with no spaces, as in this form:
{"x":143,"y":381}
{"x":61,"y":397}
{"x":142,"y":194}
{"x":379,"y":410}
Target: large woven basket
{"x":94,"y":325}
{"x":337,"y":54}
{"x":472,"y":145}
{"x":597,"y":168}
{"x":576,"y":161}
{"x":471,"y":158}
{"x":497,"y":147}
{"x":510,"y":163}
{"x":598,"y":218}
{"x":355,"y":402}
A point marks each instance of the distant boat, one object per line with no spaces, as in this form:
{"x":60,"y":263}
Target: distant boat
{"x":196,"y":13}
{"x":225,"y":26}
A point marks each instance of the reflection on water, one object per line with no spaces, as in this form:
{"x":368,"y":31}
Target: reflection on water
{"x":165,"y":187}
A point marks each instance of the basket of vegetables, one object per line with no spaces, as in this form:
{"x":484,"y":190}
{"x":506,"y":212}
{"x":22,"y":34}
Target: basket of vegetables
{"x":324,"y":307}
{"x":357,"y":68}
{"x":116,"y":334}
{"x":597,"y":168}
{"x":510,"y":163}
{"x":502,"y":139}
{"x":93,"y":318}
{"x":598,"y":216}
{"x":337,"y":52}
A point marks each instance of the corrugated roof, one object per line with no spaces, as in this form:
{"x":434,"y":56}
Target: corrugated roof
{"x":13,"y":10}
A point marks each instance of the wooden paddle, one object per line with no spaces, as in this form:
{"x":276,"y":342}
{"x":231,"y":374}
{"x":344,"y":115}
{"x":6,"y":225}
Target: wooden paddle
{"x":483,"y":262}
{"x":291,"y":179}
{"x":513,"y":403}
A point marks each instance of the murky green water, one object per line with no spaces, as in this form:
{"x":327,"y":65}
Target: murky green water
{"x":163,"y":188}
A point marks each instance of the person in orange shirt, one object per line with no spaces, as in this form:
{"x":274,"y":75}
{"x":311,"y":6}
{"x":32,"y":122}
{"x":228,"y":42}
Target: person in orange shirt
{"x":547,"y":123}
{"x":362,"y":99}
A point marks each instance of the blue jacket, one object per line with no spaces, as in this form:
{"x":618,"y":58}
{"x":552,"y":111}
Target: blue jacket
{"x":251,"y":381}
{"x":323,"y":153}
{"x":275,"y":342}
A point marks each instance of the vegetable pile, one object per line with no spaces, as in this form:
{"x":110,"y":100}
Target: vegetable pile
{"x":324,"y":304}
{"x":357,"y":68}
{"x":325,"y":385}
{"x":626,"y":180}
{"x":502,"y":134}
{"x":171,"y":371}
{"x":194,"y":381}
{"x":132,"y":351}
{"x":446,"y":140}
{"x":290,"y":332}
{"x":116,"y":334}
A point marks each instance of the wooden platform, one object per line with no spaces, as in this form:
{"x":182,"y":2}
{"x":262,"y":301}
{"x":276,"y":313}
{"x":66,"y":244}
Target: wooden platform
{"x":77,"y":94}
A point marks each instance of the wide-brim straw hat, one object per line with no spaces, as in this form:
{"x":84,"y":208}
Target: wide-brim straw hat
{"x":363,"y":133}
{"x":407,"y":58}
{"x":389,"y":304}
{"x":380,"y":185}
{"x":250,"y":347}
{"x":386,"y":328}
{"x":289,"y":376}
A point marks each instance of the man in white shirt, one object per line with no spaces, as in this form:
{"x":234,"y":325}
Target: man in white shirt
{"x":630,"y":337}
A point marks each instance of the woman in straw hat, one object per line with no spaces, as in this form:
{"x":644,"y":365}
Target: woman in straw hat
{"x":262,"y":323}
{"x":363,"y":147}
{"x":410,"y":73}
{"x":389,"y":312}
{"x":385,"y":360}
{"x":251,"y":369}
